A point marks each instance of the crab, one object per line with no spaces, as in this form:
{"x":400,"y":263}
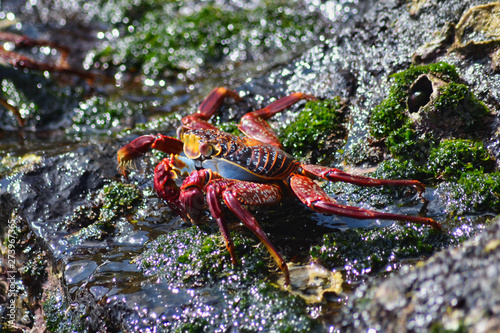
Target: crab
{"x":17,"y":60}
{"x":245,"y":171}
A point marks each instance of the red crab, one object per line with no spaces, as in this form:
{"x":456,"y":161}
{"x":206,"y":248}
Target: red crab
{"x":251,"y":170}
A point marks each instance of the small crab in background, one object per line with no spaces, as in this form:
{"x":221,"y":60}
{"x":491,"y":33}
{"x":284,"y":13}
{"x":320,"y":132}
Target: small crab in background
{"x":241,"y":172}
{"x":10,"y":57}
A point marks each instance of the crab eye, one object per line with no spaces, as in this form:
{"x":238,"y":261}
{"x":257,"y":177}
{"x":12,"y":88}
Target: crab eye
{"x":205,"y":149}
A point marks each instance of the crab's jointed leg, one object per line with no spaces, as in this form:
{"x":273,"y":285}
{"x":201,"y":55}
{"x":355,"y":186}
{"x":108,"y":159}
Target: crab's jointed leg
{"x":183,"y":201}
{"x":236,"y":194}
{"x":18,"y":60}
{"x":336,"y":175}
{"x":318,"y":200}
{"x":199,"y":120}
{"x":254,"y":125}
{"x":20,"y":120}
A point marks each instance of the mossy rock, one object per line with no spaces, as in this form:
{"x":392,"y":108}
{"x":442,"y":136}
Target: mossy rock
{"x":58,"y":315}
{"x":371,"y":251}
{"x":438,"y":137}
{"x":261,"y":307}
{"x":197,"y":256}
{"x":474,"y":192}
{"x":406,"y":143}
{"x":318,"y":132}
{"x":240,"y":297}
{"x":390,"y":115}
{"x":445,"y":109}
{"x":159,"y":38}
{"x":103,"y":212}
{"x":426,"y":104}
{"x":452,"y":158}
{"x":400,"y":168}
{"x":449,"y":160}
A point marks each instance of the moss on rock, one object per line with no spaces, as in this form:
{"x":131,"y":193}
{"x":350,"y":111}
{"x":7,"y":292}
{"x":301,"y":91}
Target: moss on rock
{"x":193,"y":256}
{"x":161,"y":36}
{"x":452,"y":158}
{"x":101,"y":215}
{"x":261,"y":307}
{"x":240,"y":298}
{"x":473,"y":192}
{"x":319,"y":130}
{"x":390,"y":115}
{"x":370,"y":251}
{"x":439,"y":138}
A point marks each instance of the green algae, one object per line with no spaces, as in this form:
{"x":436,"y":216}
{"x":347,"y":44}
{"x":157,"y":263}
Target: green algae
{"x":160,"y":36}
{"x":398,"y":168}
{"x":318,"y":130}
{"x":193,"y":256}
{"x":474,"y":192}
{"x":406,"y":143}
{"x":454,"y":94}
{"x":452,"y":158}
{"x":261,"y":307}
{"x":104,"y":211}
{"x":229,"y":127}
{"x":59,"y":315}
{"x":117,"y":199}
{"x":363,"y":251}
{"x":404,"y":138}
{"x":464,"y":171}
{"x":458,"y":157}
{"x":446,"y":161}
{"x":101,"y":114}
{"x":197,"y":258}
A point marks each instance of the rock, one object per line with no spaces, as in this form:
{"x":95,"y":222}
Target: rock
{"x":456,"y":290}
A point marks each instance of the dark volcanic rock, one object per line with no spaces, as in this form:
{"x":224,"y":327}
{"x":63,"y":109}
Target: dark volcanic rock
{"x":457,"y":289}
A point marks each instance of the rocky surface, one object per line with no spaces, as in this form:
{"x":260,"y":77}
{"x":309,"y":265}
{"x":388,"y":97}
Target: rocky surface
{"x":455,"y":290}
{"x":95,"y":251}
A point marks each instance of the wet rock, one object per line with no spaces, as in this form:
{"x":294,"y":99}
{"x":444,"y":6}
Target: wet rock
{"x":476,"y":35}
{"x":440,"y":43}
{"x":319,"y":131}
{"x":457,"y":289}
{"x":63,"y":197}
{"x":478,"y":29}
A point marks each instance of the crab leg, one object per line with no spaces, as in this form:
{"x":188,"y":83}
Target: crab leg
{"x":20,"y":120}
{"x":315,"y":198}
{"x":254,"y":125}
{"x":21,"y":40}
{"x":336,"y":175}
{"x":20,"y":61}
{"x":236,"y":194}
{"x":199,"y":120}
{"x":215,"y":207}
{"x":145,"y":143}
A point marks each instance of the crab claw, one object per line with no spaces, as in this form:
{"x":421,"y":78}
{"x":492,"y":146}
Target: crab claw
{"x":192,"y":197}
{"x":143,"y":144}
{"x":193,"y":201}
